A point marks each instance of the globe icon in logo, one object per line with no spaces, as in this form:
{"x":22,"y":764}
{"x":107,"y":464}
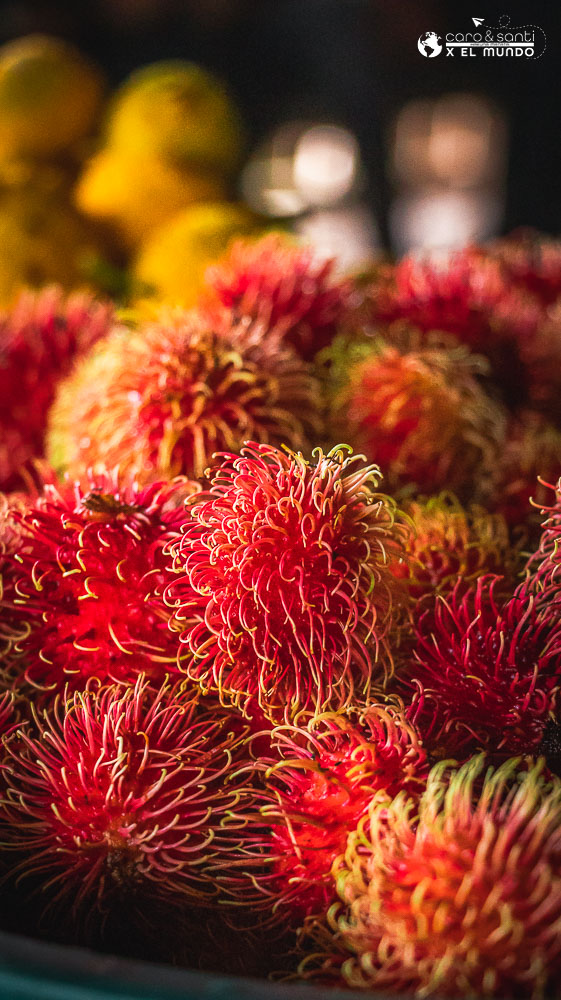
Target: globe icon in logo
{"x":429,"y":44}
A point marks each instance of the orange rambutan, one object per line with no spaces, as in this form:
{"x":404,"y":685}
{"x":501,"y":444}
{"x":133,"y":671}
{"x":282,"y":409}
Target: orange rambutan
{"x":419,"y":410}
{"x":458,"y":894}
{"x":450,"y":542}
{"x":159,"y":401}
{"x":40,"y":337}
{"x":286,"y":597}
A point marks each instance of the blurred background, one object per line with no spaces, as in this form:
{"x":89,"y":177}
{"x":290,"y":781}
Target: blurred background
{"x":353,"y":138}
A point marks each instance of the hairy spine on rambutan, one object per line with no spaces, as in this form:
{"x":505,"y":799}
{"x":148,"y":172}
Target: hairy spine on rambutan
{"x":530,"y":459}
{"x":485,"y":674}
{"x":87,"y":582}
{"x":126,"y":794}
{"x":450,"y":541}
{"x":286,"y":596}
{"x":284,"y":286}
{"x":418,"y":408}
{"x":320,"y":780}
{"x":40,"y":336}
{"x":160,"y":400}
{"x":456,"y":894}
{"x":532,"y":261}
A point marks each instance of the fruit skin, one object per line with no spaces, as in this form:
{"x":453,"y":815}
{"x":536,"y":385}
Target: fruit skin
{"x":485,"y":674}
{"x":135,"y":196}
{"x":40,"y":337}
{"x":529,"y":461}
{"x":458,"y":895}
{"x":124,"y":796}
{"x":11,"y":626}
{"x":50,"y":96}
{"x":472,"y":299}
{"x":161,"y":400}
{"x":450,"y":541}
{"x":179,"y":112}
{"x":88,"y":576}
{"x":321,"y":778}
{"x":171,"y":265}
{"x":542,"y":568}
{"x":532,"y":261}
{"x":282,"y":283}
{"x":286,"y":598}
{"x":418,"y":409}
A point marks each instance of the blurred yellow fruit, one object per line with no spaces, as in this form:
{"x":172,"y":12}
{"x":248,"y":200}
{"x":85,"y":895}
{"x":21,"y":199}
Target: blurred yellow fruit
{"x":178,"y":111}
{"x":42,"y":240}
{"x":173,"y":262}
{"x":49,"y":96}
{"x":136,"y":194}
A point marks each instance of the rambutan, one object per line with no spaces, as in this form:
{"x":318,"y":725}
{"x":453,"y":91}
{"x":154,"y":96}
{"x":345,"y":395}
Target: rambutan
{"x":124,"y":796}
{"x":456,"y":895}
{"x":287,"y":596}
{"x":7,"y":715}
{"x":39,"y":340}
{"x":544,"y":565}
{"x":470,"y":297}
{"x":323,"y":780}
{"x":283,"y":284}
{"x":450,"y":542}
{"x":159,"y":401}
{"x":531,"y":261}
{"x":530,"y":457}
{"x":485,"y":675}
{"x":419,"y":410}
{"x":90,"y":569}
{"x":11,"y":626}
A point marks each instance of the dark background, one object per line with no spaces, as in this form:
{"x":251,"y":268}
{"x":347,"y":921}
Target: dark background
{"x":354,"y":62}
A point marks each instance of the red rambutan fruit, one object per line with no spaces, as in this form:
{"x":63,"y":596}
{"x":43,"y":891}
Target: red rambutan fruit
{"x":419,"y":410}
{"x":544,"y":565}
{"x":90,"y":568}
{"x":287,"y":596}
{"x":458,"y":894}
{"x":11,"y":627}
{"x":532,"y":261}
{"x":450,"y":542}
{"x":39,"y":341}
{"x":124,"y":795}
{"x":7,"y":714}
{"x":485,"y":675}
{"x":321,"y":783}
{"x":282,"y":284}
{"x":468,"y":296}
{"x":159,"y":401}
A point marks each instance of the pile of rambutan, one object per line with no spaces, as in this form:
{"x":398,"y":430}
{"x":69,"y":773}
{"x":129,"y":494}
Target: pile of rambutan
{"x":271,"y":703}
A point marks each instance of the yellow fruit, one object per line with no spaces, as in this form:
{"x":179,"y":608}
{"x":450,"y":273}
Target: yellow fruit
{"x":42,"y":240}
{"x":177,"y":111}
{"x":173,"y":262}
{"x":136,"y":194}
{"x":49,"y":96}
